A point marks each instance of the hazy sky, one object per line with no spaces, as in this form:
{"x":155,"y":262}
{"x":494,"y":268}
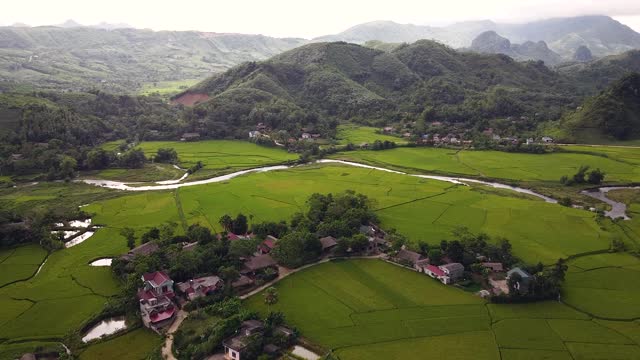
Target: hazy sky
{"x":301,"y":18}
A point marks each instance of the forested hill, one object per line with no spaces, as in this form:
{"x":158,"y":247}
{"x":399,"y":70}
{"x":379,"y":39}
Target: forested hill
{"x":613,"y":114}
{"x":122,"y":60}
{"x":425,"y":80}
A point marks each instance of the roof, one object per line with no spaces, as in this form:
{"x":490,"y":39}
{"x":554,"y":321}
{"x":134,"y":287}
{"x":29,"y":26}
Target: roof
{"x":145,"y":249}
{"x":242,"y":281}
{"x":156,"y":278}
{"x":189,"y":246}
{"x":327,"y":242}
{"x":422,"y":262}
{"x":162,"y":315}
{"x":271,"y":349}
{"x":435,"y":270}
{"x":367,"y":230}
{"x":259,"y":262}
{"x":252,"y":324}
{"x":28,"y":356}
{"x":188,"y":135}
{"x":237,"y":343}
{"x":453,"y":267}
{"x":495,"y":266}
{"x":411,"y":256}
{"x":518,"y":271}
{"x":270,"y":242}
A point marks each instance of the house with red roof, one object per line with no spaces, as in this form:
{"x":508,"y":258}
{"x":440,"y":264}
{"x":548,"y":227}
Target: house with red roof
{"x":156,"y":301}
{"x":200,"y":287}
{"x":267,"y":245}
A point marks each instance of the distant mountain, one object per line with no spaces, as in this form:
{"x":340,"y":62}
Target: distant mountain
{"x":490,"y":42}
{"x":76,"y":57}
{"x":583,"y":54}
{"x":425,"y":80}
{"x":602,"y":34}
{"x":597,"y":75}
{"x":613,"y":114}
{"x":70,"y":23}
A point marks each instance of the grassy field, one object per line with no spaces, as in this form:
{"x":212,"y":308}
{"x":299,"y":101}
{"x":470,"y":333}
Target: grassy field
{"x":421,"y":209}
{"x":134,"y":345}
{"x":605,"y":285}
{"x":352,"y":305}
{"x":20,"y":263}
{"x":167,"y":87}
{"x":501,"y":165}
{"x":150,"y":172}
{"x":218,"y":156}
{"x":365,"y":309}
{"x":65,"y":293}
{"x":357,"y":135}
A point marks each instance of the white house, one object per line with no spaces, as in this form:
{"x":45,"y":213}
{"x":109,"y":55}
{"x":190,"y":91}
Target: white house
{"x":254,"y":134}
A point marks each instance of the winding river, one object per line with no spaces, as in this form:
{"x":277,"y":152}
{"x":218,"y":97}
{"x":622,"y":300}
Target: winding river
{"x":618,"y":209}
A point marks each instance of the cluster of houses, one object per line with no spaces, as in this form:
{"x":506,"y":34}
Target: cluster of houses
{"x":451,"y":272}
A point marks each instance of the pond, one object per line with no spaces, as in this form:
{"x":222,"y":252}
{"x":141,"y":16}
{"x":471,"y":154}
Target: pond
{"x":78,"y":239}
{"x":101,"y":262}
{"x":104,"y":328}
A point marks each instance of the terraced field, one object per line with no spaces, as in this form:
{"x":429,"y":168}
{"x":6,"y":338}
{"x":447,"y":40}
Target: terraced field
{"x":365,"y":309}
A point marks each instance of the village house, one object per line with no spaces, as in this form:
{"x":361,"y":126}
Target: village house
{"x":305,"y":136}
{"x":328,"y":243}
{"x":267,"y":245}
{"x":421,"y":264}
{"x":156,"y":301}
{"x":407,"y":257}
{"x":258,"y":263}
{"x":493,"y":266}
{"x":454,"y":271}
{"x":235,"y":346}
{"x":200,"y":287}
{"x":254,"y":134}
{"x":190,"y":137}
{"x":387,"y":129}
{"x":142,"y":250}
{"x":530,"y":141}
{"x":261,"y":127}
{"x":242,"y":282}
{"x":315,"y":136}
{"x":522,"y":285}
{"x":547,"y":139}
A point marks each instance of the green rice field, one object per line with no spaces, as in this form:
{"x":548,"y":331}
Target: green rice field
{"x":421,"y":209}
{"x":620,"y":166}
{"x":365,"y":309}
{"x":358,"y":135}
{"x":133,"y":345}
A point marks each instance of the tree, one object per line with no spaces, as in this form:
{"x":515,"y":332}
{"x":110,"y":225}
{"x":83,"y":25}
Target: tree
{"x":199,"y":234}
{"x":67,"y":166}
{"x":98,"y":159}
{"x":229,"y":274}
{"x":166,"y":155}
{"x":240,"y":224}
{"x":359,"y":243}
{"x":152,"y":234}
{"x":455,"y":251}
{"x":133,"y":159}
{"x":271,"y":296}
{"x":129,"y":234}
{"x":435,"y":256}
{"x":226,"y":222}
{"x":596,"y":177}
{"x":578,"y":178}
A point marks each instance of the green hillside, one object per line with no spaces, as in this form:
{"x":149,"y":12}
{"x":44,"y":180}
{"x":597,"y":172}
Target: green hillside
{"x":614,"y":114}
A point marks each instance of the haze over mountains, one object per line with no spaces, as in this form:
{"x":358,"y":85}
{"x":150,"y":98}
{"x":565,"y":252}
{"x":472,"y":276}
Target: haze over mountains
{"x":117,"y":58}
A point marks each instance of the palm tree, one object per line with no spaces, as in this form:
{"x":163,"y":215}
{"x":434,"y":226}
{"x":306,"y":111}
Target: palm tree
{"x":271,"y":296}
{"x":226,"y":222}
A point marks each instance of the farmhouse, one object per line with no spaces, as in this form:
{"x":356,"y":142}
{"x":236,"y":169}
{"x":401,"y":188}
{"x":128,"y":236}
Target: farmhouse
{"x":453,"y":270}
{"x":190,"y":137}
{"x":421,"y":264}
{"x":200,"y":287}
{"x":435,"y":272}
{"x":306,"y":136}
{"x":267,"y":245}
{"x":257,"y":263}
{"x":142,"y":250}
{"x":493,"y":266}
{"x":328,"y":243}
{"x":235,"y":346}
{"x":155,"y":298}
{"x":522,"y":279}
{"x":241,"y":282}
{"x":407,"y":257}
{"x":254,"y":134}
{"x":547,"y":139}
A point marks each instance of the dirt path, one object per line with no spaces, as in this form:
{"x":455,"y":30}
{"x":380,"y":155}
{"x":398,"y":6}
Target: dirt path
{"x":167,"y":352}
